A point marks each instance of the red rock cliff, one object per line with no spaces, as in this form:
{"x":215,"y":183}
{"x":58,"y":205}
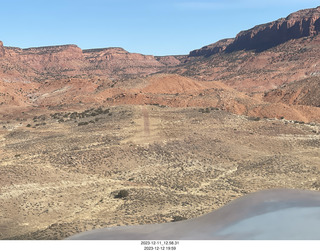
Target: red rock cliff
{"x":212,"y":48}
{"x":303,"y":23}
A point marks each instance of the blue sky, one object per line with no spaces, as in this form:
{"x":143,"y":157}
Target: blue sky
{"x":157,"y":27}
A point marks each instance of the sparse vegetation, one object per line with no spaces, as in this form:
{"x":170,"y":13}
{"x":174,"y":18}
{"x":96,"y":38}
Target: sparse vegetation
{"x":122,"y":194}
{"x":83,"y":123}
{"x":203,"y":164}
{"x":254,"y":118}
{"x":178,"y":218}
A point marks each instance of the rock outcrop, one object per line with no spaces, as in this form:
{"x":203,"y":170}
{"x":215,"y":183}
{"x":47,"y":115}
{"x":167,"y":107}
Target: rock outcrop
{"x":168,"y":60}
{"x":303,"y":23}
{"x":52,"y":62}
{"x":212,"y":48}
{"x":52,"y":58}
{"x":115,"y":58}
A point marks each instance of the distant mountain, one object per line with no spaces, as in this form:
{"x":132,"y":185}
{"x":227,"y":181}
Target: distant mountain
{"x":56,"y":62}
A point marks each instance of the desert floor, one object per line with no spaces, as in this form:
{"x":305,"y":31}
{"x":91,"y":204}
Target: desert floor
{"x":61,"y":172}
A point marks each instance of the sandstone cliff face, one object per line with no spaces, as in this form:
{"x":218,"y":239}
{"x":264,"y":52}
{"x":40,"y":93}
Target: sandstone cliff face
{"x":42,"y":62}
{"x":115,"y":62}
{"x":69,"y":60}
{"x":247,"y":70}
{"x":303,"y":23}
{"x":300,"y":24}
{"x":212,"y":48}
{"x":168,"y":60}
{"x":52,"y":58}
{"x":119,"y":57}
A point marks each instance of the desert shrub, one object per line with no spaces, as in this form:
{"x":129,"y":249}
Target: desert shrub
{"x":316,"y":185}
{"x":73,"y":115}
{"x":82,"y":123}
{"x":99,"y":110}
{"x":206,"y":110}
{"x":56,"y":115}
{"x":254,"y":118}
{"x":299,"y":122}
{"x":28,"y":125}
{"x":122,"y":194}
{"x":178,"y":218}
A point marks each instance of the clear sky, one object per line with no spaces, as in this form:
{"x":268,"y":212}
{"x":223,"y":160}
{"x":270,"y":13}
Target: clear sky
{"x":157,"y":27}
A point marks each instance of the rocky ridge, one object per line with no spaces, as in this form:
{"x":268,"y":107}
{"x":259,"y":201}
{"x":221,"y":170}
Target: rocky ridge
{"x":303,"y":23}
{"x":211,"y":49}
{"x":62,"y":61}
{"x":300,"y":24}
